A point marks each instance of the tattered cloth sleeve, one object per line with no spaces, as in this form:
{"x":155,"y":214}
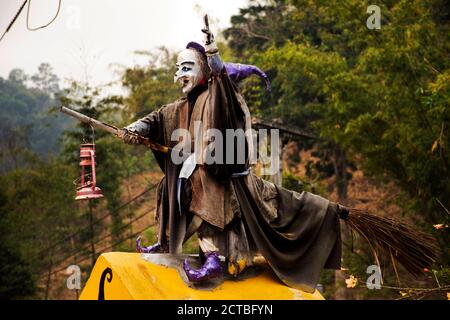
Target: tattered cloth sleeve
{"x":152,"y":126}
{"x":304,"y":237}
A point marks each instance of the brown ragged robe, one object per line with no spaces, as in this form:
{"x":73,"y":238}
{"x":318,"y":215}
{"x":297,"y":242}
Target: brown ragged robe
{"x":297,"y":233}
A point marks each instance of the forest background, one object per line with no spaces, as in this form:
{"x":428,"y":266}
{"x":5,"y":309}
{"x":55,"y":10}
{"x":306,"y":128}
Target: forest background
{"x":376,"y":101}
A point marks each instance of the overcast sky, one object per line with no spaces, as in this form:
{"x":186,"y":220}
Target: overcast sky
{"x":90,"y":35}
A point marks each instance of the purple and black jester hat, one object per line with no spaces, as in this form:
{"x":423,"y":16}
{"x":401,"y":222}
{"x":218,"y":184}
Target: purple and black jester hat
{"x":236,"y":71}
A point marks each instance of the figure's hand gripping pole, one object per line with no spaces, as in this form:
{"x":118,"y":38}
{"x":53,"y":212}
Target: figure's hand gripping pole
{"x":112,"y":129}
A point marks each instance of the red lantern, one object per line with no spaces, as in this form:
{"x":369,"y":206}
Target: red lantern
{"x":88,"y":189}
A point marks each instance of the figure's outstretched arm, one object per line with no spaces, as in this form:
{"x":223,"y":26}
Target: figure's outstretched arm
{"x":212,"y":51}
{"x":147,"y":126}
{"x":236,"y":71}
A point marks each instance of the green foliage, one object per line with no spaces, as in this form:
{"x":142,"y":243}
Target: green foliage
{"x":150,"y":235}
{"x":151,"y":86}
{"x":28,"y":123}
{"x":16,"y":275}
{"x":291,"y":182}
{"x":191,"y":245}
{"x":45,"y":80}
{"x":16,"y":279}
{"x":33,"y":218}
{"x":312,"y":184}
{"x":381,"y":95}
{"x":380,"y":98}
{"x":41,"y":193}
{"x":111,"y":155}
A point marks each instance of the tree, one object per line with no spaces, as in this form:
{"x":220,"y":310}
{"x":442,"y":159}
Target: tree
{"x":28,"y":121}
{"x":45,"y":80}
{"x":152,"y":86}
{"x":112,"y":155}
{"x":378,"y":98}
{"x":18,"y":76}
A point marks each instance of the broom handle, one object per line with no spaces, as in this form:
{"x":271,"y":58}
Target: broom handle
{"x":112,"y":129}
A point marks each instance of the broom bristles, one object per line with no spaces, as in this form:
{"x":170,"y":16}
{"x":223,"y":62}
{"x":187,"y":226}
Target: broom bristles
{"x":413,"y":249}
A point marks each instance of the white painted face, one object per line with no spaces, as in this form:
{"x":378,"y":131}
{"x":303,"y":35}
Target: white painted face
{"x":189,"y":73}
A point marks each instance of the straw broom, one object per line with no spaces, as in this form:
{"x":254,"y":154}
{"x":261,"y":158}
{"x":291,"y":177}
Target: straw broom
{"x":413,"y":249}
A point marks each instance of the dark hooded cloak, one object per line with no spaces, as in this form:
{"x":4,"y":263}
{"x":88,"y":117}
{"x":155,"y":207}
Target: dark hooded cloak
{"x":297,"y":233}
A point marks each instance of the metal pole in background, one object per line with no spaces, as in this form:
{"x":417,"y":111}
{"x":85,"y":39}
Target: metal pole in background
{"x":91,"y":224}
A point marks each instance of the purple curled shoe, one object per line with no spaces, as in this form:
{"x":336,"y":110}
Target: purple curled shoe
{"x":156,"y":248}
{"x":210,"y":269}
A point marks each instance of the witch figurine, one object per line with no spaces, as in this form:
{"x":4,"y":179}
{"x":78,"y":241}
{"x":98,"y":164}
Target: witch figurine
{"x":235,"y":213}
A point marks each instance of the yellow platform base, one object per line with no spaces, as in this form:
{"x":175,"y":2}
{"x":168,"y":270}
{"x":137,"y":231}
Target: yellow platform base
{"x":136,"y":279}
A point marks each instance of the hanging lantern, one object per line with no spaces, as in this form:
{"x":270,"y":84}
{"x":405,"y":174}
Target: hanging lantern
{"x":87,"y":188}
